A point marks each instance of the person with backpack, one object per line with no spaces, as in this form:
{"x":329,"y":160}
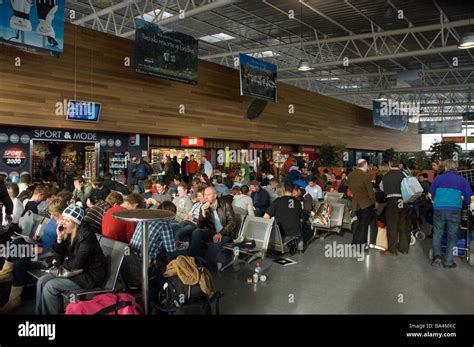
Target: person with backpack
{"x":396,"y":211}
{"x":142,"y":173}
{"x":448,"y":192}
{"x":76,"y":248}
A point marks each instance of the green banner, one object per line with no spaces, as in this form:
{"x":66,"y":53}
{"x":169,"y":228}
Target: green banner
{"x":470,"y":139}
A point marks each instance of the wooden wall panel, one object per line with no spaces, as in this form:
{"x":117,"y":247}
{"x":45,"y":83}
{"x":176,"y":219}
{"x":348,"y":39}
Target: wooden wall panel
{"x":92,"y":68}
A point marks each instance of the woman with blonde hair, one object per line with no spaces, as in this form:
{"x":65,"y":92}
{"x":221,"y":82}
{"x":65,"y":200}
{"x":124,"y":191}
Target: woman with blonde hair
{"x":77,"y":250}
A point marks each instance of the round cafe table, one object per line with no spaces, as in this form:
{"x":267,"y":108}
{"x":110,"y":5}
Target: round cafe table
{"x":145,"y":216}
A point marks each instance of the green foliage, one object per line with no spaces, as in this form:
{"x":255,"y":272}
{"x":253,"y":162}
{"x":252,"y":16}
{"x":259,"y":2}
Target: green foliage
{"x":445,"y":150}
{"x":331,"y":155}
{"x":422,"y":161}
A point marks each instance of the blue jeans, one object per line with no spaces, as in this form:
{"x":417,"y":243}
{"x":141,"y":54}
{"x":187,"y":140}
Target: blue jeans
{"x":200,"y":235}
{"x":20,"y":264}
{"x":49,"y":291}
{"x":183,"y":230}
{"x":445,"y":220}
{"x":260,"y":211}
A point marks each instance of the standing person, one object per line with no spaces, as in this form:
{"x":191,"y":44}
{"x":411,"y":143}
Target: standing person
{"x":207,"y":167}
{"x":436,"y":168}
{"x":132,"y":182}
{"x":396,"y":211}
{"x":184,"y":173}
{"x":176,"y":166}
{"x":69,"y":169}
{"x":260,"y":198}
{"x":168,"y":169}
{"x":6,"y":202}
{"x":142,"y":173}
{"x":448,"y":192}
{"x":192,"y":168}
{"x":244,"y":171}
{"x":363,"y":200}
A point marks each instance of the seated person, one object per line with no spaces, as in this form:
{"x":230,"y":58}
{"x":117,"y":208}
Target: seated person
{"x":99,"y":192}
{"x":260,"y":198}
{"x":118,"y":229}
{"x":338,"y":186}
{"x":216,"y":222}
{"x":288,"y":213}
{"x":15,"y":268}
{"x":39,"y":194}
{"x":117,"y":186}
{"x":82,"y":191}
{"x":183,"y":230}
{"x":313,"y":189}
{"x":306,"y":200}
{"x":95,"y":214}
{"x":147,"y":185}
{"x":221,"y":188}
{"x":162,"y":194}
{"x":13,"y":192}
{"x":273,"y":189}
{"x":242,"y":204}
{"x":76,"y":248}
{"x":183,"y":203}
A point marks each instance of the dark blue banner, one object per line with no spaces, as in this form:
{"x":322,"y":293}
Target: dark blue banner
{"x":35,"y":26}
{"x":384,"y":115}
{"x":257,"y":78}
{"x":165,"y":53}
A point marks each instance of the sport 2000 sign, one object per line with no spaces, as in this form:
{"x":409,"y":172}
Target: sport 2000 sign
{"x":14,"y":157}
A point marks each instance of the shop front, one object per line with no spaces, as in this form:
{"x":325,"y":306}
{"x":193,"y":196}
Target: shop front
{"x":60,"y":155}
{"x":280,"y":154}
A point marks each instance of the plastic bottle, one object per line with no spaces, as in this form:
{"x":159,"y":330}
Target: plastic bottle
{"x":256,"y":275}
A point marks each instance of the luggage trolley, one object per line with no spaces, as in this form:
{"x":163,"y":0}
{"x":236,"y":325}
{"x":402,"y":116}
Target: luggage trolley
{"x":414,"y":217}
{"x":465,"y":243}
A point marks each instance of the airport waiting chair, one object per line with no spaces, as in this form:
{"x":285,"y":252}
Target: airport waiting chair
{"x":255,"y":229}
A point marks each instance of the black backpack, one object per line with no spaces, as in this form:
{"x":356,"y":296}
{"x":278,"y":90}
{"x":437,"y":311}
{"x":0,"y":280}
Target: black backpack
{"x":180,"y":299}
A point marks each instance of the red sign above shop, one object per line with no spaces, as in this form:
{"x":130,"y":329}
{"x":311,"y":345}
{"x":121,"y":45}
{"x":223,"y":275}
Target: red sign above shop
{"x":307,"y":149}
{"x":192,"y":142}
{"x":456,"y":139}
{"x":260,"y":146}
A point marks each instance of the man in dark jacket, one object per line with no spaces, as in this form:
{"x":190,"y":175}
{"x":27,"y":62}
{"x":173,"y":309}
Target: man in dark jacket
{"x":260,"y":198}
{"x":396,"y":211}
{"x":363,"y":201}
{"x":6,"y":202}
{"x":76,"y":248}
{"x":217,"y":223}
{"x":99,"y":192}
{"x":183,"y":169}
{"x":114,"y":185}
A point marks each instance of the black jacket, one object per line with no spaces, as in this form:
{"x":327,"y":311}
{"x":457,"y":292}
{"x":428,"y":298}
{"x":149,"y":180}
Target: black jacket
{"x":226,"y":216}
{"x":99,"y":194}
{"x":84,"y":253}
{"x":5,"y":198}
{"x":117,"y":186}
{"x":261,"y":198}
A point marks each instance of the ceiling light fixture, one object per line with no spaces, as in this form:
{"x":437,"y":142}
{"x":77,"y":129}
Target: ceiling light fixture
{"x":467,"y":41}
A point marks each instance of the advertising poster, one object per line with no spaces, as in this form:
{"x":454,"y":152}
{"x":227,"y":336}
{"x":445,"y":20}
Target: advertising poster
{"x":440,"y":127}
{"x":35,"y":26}
{"x":258,"y":78}
{"x":165,"y":53}
{"x":384,"y":117}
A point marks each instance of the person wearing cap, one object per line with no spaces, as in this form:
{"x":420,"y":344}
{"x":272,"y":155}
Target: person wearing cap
{"x":76,"y":248}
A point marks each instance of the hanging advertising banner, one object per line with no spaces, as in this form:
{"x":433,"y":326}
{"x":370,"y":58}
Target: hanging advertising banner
{"x":468,"y":116}
{"x":258,"y":78}
{"x":14,"y":157}
{"x":165,"y":53}
{"x":35,"y":26}
{"x":452,"y":126}
{"x":385,"y":116}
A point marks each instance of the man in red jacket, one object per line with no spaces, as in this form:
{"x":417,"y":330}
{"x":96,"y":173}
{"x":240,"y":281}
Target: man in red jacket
{"x":192,"y":168}
{"x":118,"y":229}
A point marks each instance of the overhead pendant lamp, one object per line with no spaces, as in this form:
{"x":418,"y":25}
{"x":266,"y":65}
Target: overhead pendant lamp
{"x":467,"y":41}
{"x":304,"y":65}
